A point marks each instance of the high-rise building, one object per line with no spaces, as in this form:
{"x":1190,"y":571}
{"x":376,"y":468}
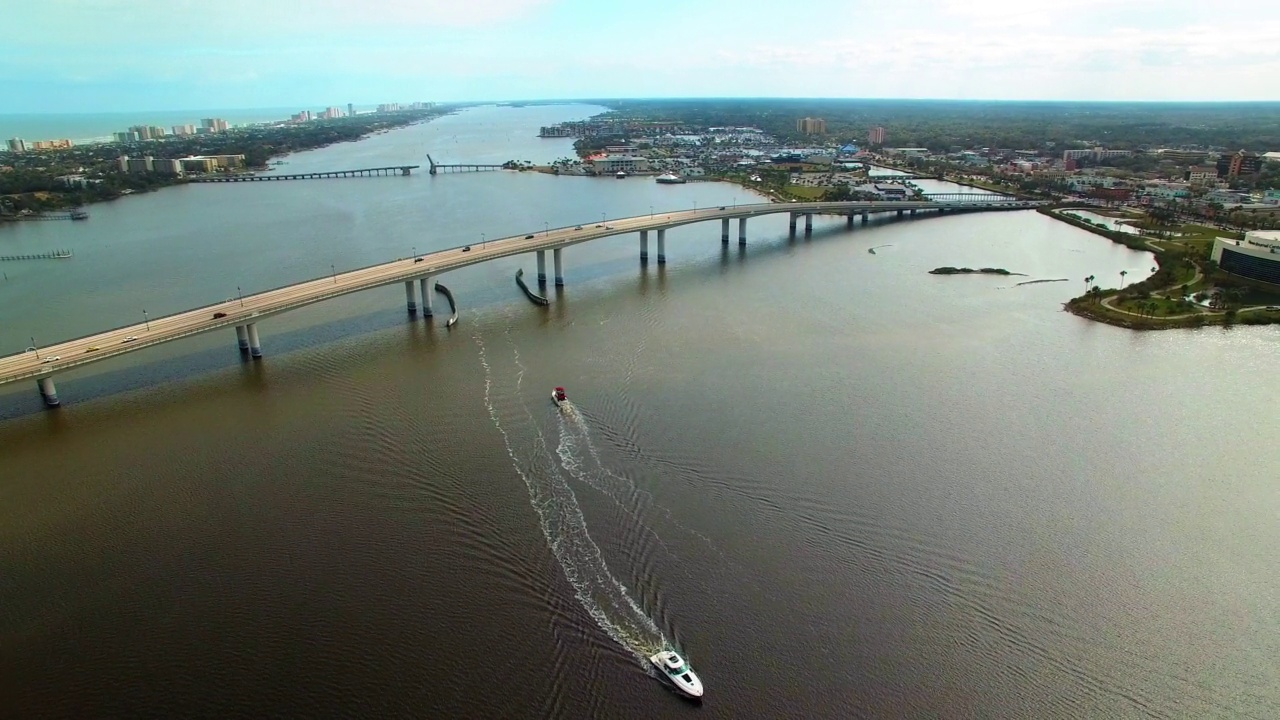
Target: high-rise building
{"x":214,"y":124}
{"x":1244,"y":163}
{"x":331,"y":113}
{"x":127,"y":136}
{"x":17,"y":145}
{"x":63,"y":144}
{"x":184,"y":129}
{"x":812,"y":126}
{"x":156,"y":132}
{"x":877,"y":135}
{"x":351,"y":110}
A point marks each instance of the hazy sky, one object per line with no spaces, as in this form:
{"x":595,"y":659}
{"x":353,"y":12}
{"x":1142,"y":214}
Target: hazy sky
{"x":116,"y":55}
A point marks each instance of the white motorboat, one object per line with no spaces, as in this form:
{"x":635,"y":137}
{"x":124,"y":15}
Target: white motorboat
{"x":674,"y":668}
{"x":669,"y":179}
{"x":559,"y":398}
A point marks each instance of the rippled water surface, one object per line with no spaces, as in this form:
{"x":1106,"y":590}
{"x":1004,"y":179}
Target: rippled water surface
{"x":842,"y":486}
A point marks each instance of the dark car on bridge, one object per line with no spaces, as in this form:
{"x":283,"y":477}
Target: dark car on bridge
{"x":219,"y":315}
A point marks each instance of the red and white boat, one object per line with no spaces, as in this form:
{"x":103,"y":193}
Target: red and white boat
{"x":559,"y":398}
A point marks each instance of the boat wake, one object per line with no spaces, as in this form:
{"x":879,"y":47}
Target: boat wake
{"x":581,"y":459}
{"x":563,"y":525}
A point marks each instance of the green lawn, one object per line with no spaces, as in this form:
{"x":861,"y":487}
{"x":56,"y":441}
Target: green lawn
{"x":1155,"y":306}
{"x":804,"y":192}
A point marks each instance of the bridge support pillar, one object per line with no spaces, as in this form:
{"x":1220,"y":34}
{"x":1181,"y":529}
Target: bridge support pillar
{"x":742,"y":231}
{"x":644,"y":246}
{"x":242,"y":339}
{"x":255,"y":345}
{"x":913,"y":211}
{"x":542,"y":267}
{"x":899,"y":213}
{"x":849,"y":221}
{"x":662,"y":246}
{"x":724,"y":231}
{"x":411,"y":298}
{"x":559,"y":267}
{"x":791,"y":224}
{"x":865,"y":217}
{"x":424,"y":284}
{"x":808,"y":223}
{"x":48,"y":392}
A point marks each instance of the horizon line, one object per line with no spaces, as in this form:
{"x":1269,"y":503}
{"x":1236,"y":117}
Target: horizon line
{"x":686,"y":98}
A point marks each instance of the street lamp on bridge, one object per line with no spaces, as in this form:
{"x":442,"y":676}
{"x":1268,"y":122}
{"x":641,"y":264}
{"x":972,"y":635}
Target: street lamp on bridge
{"x":240,"y":295}
{"x":546,"y":228}
{"x":334,"y":272}
{"x":35,"y":347}
{"x":483,"y":241}
{"x":146,"y":320}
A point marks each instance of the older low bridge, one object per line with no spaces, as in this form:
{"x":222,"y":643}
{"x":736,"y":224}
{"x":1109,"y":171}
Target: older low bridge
{"x":362,"y":172}
{"x":418,"y":273}
{"x":435,"y":167}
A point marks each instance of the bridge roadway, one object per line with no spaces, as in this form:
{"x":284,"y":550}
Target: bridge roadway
{"x":244,"y":313}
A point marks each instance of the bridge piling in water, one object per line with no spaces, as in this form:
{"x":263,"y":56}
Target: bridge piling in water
{"x":849,"y":221}
{"x":791,"y":225}
{"x":542,"y":265}
{"x":742,"y":231}
{"x":48,"y":392}
{"x":555,"y":258}
{"x":724,"y":231}
{"x":255,"y":344}
{"x":424,"y":284}
{"x":662,"y":246}
{"x":644,"y":246}
{"x":411,"y":298}
{"x":808,"y":224}
{"x":242,"y":339}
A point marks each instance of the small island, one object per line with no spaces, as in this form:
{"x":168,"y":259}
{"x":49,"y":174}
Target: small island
{"x":948,"y":270}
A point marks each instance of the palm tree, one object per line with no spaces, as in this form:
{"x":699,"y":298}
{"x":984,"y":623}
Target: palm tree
{"x":1122,"y":274}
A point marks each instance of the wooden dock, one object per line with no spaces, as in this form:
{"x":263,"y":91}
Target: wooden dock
{"x":51,"y":255}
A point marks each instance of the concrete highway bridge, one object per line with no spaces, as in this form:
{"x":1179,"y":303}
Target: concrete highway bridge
{"x":244,"y":314}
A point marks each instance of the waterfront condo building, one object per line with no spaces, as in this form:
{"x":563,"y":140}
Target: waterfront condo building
{"x":17,"y":145}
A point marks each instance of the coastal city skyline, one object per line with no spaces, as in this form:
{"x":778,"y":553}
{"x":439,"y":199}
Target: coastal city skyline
{"x":515,"y":49}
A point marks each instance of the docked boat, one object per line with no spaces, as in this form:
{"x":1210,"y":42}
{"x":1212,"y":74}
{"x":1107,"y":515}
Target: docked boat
{"x":621,"y":174}
{"x":669,"y":179}
{"x":675,"y":669}
{"x":559,"y":398}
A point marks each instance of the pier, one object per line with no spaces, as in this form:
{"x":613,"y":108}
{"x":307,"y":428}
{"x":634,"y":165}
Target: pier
{"x":436,"y":167}
{"x":362,"y":172}
{"x":75,"y":214}
{"x":51,"y":255}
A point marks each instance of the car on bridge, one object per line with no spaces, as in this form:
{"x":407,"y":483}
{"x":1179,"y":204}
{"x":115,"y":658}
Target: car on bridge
{"x":466,"y":249}
{"x":528,"y":237}
{"x":92,"y":348}
{"x":51,"y":358}
{"x":131,"y":338}
{"x":219,"y":315}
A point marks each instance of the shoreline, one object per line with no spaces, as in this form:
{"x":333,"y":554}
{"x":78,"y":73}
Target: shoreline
{"x":1099,"y":306}
{"x":65,"y":204}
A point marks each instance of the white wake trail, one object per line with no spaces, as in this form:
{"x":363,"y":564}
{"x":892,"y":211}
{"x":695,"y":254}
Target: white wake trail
{"x":562,"y":523}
